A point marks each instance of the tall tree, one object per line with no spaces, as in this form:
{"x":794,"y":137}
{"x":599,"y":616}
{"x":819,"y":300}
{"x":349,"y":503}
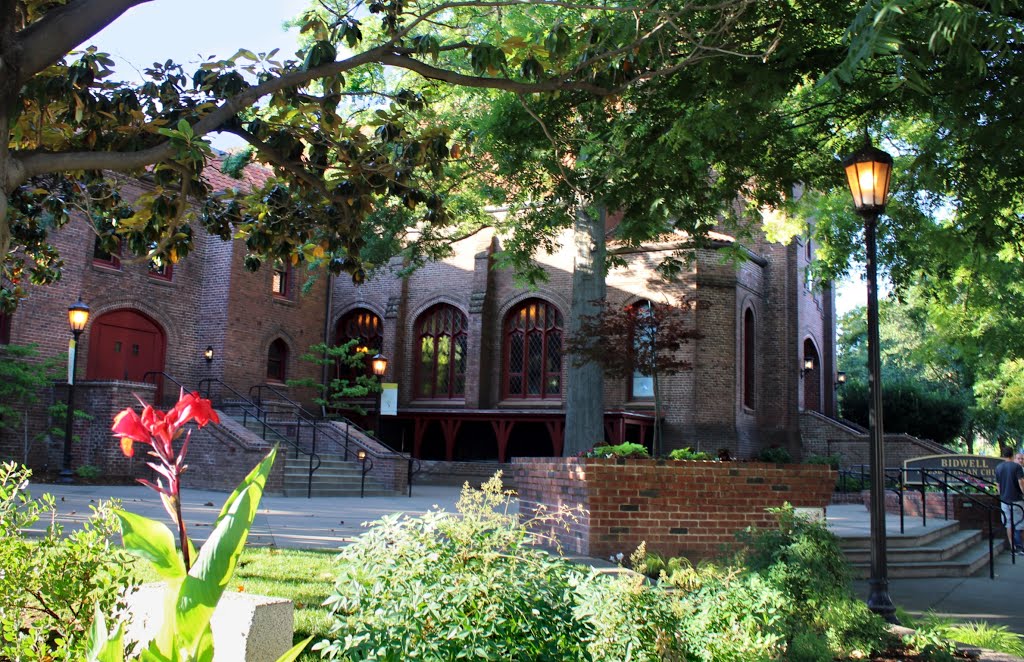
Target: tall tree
{"x":66,"y":122}
{"x":709,"y":145}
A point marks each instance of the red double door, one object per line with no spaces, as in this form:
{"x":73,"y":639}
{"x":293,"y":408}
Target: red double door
{"x":125,"y":344}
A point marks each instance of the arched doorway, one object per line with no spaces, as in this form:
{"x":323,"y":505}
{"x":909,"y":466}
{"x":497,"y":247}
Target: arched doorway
{"x":125,"y":344}
{"x":811,"y":371}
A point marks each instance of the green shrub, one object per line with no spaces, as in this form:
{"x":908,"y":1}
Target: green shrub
{"x":975,"y":633}
{"x":48,"y":586}
{"x":627,"y":449}
{"x":735,"y":617}
{"x":688,"y":454}
{"x":834,"y":460}
{"x":803,"y":560}
{"x":627,"y":619}
{"x":808,"y":646}
{"x":441,"y":587}
{"x":88,"y":472}
{"x":775,"y":454}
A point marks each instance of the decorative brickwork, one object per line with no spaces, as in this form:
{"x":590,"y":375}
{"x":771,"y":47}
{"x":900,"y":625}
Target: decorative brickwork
{"x":691,"y":509}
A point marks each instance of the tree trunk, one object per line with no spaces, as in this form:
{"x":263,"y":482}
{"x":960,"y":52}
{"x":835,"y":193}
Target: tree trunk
{"x":584,"y":406}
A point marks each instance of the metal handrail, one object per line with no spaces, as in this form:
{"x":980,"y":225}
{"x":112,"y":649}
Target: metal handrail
{"x":155,"y":373}
{"x":955,"y":480}
{"x":261,"y":417}
{"x":414,"y":466}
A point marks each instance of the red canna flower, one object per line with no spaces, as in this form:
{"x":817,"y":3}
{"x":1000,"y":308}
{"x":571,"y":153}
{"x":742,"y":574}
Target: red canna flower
{"x":160,"y":430}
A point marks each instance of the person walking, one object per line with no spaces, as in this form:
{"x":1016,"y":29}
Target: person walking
{"x":1010,"y":476}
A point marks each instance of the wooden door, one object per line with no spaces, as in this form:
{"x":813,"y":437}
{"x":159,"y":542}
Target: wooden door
{"x":125,"y":345}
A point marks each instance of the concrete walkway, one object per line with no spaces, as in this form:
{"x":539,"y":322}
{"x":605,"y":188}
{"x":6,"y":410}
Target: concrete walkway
{"x":331,"y":522}
{"x":998,"y":601}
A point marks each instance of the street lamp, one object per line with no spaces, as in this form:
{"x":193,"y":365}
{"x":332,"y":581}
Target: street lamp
{"x":808,"y":366}
{"x":78,"y":317}
{"x":867,"y":172}
{"x":379,"y":365}
{"x":208,"y":354}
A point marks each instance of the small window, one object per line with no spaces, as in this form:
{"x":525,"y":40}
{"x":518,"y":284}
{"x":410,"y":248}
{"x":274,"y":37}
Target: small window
{"x":748,"y":359}
{"x":277,"y":360}
{"x":161,"y":269}
{"x":5,"y":328}
{"x":644,"y":351}
{"x":279,"y":278}
{"x":105,"y":255}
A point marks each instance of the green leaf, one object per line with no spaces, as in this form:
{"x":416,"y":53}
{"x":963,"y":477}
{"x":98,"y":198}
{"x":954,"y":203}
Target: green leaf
{"x":152,"y":541}
{"x":206,"y":581}
{"x":294,"y":652}
{"x":102,"y":646}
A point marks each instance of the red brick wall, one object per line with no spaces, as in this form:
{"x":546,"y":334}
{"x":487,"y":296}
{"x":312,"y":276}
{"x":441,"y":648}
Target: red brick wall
{"x":96,"y":446}
{"x":691,"y":509}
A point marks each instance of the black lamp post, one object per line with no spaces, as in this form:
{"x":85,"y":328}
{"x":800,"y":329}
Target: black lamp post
{"x":379,"y":365}
{"x":867,"y":172}
{"x":78,"y":317}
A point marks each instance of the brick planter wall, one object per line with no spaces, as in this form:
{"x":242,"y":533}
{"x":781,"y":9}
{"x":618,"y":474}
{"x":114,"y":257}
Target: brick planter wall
{"x":690,"y":509}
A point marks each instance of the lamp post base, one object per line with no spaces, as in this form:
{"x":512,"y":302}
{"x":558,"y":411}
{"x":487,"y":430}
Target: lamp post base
{"x":879,"y":601}
{"x":66,"y":477}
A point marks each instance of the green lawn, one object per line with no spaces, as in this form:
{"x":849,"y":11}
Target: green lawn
{"x":305,"y":577}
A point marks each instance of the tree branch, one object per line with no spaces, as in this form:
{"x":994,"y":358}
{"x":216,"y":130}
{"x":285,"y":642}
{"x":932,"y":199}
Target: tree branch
{"x":62,"y":29}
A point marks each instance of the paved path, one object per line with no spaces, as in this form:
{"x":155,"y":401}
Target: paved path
{"x":331,"y":522}
{"x":320,"y":523}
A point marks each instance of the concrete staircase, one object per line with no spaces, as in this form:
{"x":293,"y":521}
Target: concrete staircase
{"x":940,"y":550}
{"x":334,"y":478}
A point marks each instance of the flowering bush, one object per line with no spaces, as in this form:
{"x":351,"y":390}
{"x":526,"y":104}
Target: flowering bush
{"x":193,"y":589}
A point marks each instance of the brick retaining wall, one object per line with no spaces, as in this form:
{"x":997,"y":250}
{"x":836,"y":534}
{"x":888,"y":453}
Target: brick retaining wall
{"x":691,"y":509}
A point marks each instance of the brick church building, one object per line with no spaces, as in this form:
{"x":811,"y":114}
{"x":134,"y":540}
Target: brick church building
{"x":477,"y":359}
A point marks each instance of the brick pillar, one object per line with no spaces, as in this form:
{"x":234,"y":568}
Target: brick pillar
{"x":481,"y":307}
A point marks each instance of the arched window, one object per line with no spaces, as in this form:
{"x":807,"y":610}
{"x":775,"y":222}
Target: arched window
{"x":533,"y":351}
{"x":644,"y":350}
{"x":362,"y":325}
{"x":366,"y":328}
{"x":277,"y":360}
{"x":748,"y":358}
{"x":441,"y":369}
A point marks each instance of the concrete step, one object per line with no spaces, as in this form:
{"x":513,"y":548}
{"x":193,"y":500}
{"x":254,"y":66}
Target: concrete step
{"x":339,"y":492}
{"x":968,"y":562}
{"x":915,"y":536}
{"x":937,"y":550}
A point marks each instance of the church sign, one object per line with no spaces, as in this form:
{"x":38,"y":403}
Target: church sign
{"x":967,"y":466}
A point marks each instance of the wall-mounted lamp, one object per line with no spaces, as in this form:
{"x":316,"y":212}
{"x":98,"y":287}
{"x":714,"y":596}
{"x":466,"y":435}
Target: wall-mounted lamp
{"x":208,"y":354}
{"x":379,"y":364}
{"x":808,"y":366}
{"x":840,"y":379}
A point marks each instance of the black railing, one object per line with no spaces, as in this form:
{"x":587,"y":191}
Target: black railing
{"x":153,"y":375}
{"x":342,"y":441}
{"x":254,"y":411}
{"x":977,"y":489}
